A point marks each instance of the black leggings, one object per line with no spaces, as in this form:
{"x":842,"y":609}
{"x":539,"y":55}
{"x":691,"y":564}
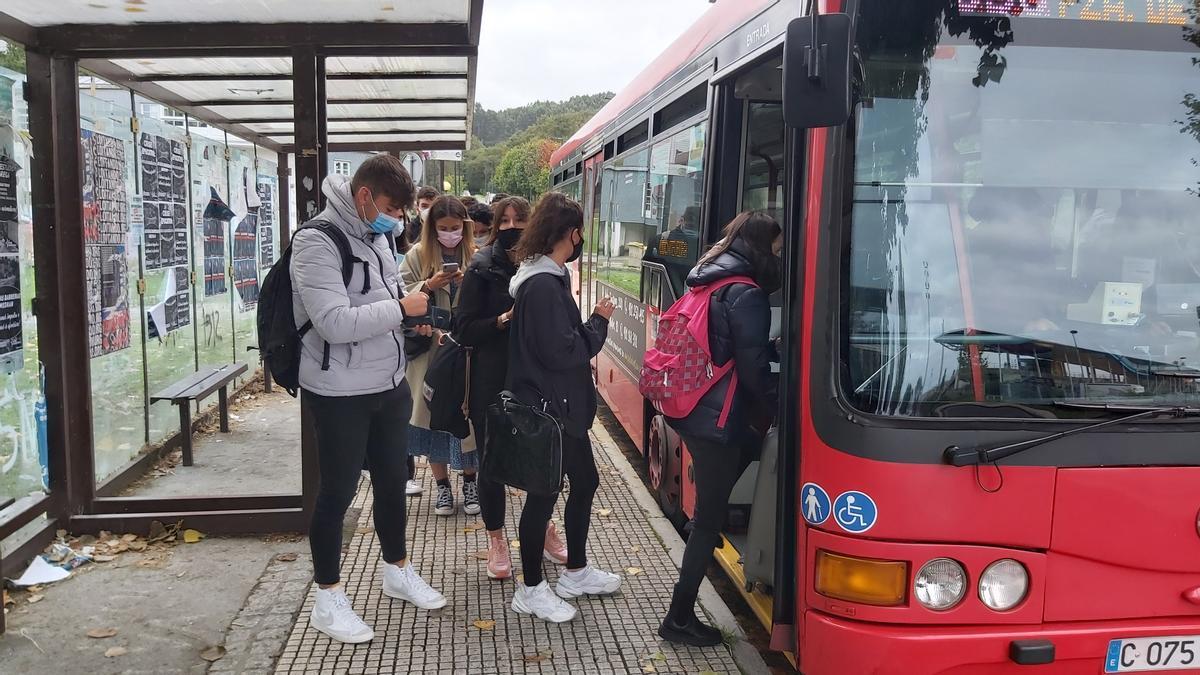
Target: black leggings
{"x":580,"y":469}
{"x":350,"y":430}
{"x":716,"y":469}
{"x":491,"y":493}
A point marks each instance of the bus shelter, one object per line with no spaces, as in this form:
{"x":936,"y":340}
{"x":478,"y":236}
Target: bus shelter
{"x":298,"y":80}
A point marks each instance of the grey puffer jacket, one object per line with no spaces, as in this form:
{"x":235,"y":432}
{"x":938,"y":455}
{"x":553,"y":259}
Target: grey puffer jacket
{"x":362,"y":322}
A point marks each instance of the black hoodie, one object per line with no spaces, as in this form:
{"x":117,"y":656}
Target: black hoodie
{"x":551,"y":349}
{"x":739,"y":326}
{"x":483,"y":297}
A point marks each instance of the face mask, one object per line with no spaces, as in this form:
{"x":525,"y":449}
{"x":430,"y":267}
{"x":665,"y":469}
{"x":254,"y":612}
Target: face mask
{"x":383,"y":223}
{"x":481,"y":241}
{"x":450,"y":239}
{"x":508,"y":238}
{"x":424,"y":215}
{"x":575,"y":254}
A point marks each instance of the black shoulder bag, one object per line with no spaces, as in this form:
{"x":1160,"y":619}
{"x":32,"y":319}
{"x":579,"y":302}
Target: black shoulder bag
{"x":524,"y":447}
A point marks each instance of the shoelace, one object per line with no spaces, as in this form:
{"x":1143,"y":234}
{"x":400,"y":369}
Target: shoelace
{"x":470,"y":491}
{"x":343,"y":610}
{"x":445,"y":497}
{"x":416,"y":582}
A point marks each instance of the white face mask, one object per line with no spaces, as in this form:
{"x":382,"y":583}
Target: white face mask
{"x":481,"y":241}
{"x":424,"y":215}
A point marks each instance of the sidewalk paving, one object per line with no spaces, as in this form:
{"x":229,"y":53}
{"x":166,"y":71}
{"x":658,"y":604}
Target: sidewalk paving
{"x":478,"y":634}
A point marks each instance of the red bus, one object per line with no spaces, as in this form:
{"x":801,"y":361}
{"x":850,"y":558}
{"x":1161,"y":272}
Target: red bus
{"x":986,"y":452}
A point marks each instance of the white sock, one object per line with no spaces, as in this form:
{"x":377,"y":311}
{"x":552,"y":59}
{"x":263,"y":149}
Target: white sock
{"x":577,"y":573}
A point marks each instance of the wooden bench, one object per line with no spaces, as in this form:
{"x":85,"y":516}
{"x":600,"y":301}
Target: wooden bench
{"x":197,"y":386}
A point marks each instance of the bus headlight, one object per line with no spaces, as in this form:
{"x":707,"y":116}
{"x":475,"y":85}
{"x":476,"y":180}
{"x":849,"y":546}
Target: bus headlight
{"x":1003,"y":585}
{"x":940,"y":584}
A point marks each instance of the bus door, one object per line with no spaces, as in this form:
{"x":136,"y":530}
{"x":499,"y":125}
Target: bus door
{"x":590,"y":200}
{"x":759,"y":166}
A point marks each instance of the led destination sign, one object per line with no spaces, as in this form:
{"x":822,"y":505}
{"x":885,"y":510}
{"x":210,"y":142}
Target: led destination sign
{"x":1170,"y":12}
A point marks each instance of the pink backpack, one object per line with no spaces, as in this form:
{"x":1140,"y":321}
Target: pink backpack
{"x":679,"y":370}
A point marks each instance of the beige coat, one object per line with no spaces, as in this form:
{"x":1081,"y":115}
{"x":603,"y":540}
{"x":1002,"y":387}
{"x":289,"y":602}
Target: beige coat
{"x":413,"y":278}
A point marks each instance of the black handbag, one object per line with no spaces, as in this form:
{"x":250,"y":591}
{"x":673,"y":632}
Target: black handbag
{"x":447,"y":388}
{"x":524,"y":447}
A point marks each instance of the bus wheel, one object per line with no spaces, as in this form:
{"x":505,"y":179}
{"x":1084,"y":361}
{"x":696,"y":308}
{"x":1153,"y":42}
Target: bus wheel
{"x":664,"y":468}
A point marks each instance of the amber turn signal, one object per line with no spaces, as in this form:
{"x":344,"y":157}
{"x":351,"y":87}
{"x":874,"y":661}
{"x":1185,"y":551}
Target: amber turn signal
{"x":871,"y":582}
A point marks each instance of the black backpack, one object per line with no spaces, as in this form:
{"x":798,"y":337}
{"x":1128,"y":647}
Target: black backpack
{"x":278,"y":337}
{"x":447,"y":388}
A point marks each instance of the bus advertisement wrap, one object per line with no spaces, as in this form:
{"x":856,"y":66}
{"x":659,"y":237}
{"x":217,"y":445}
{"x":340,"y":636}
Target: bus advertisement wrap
{"x":626,"y":329}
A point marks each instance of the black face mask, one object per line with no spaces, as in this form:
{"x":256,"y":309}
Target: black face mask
{"x":507,"y":239}
{"x":575,"y":254}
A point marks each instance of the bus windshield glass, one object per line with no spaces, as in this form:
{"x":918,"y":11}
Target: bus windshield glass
{"x":1024,"y":229}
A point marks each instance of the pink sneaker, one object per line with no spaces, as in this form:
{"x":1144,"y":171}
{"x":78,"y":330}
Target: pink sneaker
{"x":556,"y":550}
{"x":499,"y":563}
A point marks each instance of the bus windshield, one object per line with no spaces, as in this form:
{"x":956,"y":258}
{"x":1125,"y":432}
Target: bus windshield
{"x":1024,"y":228}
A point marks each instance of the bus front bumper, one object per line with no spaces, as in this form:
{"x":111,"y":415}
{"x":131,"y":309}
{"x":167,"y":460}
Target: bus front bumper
{"x":835,"y":646}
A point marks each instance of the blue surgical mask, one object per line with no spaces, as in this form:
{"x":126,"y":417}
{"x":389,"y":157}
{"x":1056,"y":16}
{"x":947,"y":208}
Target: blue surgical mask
{"x":384,"y":223}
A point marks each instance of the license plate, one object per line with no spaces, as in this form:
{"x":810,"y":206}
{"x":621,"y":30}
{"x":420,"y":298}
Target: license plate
{"x":1153,"y":653}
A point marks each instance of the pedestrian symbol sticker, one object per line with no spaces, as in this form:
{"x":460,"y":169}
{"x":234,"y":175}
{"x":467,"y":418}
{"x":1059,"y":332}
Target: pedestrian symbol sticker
{"x":815,"y":503}
{"x":854,"y":511}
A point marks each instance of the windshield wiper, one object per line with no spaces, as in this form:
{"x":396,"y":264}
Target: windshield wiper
{"x":956,"y":456}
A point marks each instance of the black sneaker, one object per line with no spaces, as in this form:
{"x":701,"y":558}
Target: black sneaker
{"x":444,"y":506}
{"x":692,"y":632}
{"x":471,"y":497}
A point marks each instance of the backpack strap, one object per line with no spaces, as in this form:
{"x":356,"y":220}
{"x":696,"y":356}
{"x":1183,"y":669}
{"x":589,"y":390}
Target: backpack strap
{"x":342,"y":242}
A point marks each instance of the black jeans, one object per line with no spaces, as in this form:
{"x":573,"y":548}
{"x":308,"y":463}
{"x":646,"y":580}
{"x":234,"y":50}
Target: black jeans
{"x":351,"y":430}
{"x":491,"y":493}
{"x":716,"y":468}
{"x":580,"y":468}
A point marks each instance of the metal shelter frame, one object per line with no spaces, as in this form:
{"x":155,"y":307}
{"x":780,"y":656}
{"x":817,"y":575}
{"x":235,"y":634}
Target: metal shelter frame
{"x":55,"y":56}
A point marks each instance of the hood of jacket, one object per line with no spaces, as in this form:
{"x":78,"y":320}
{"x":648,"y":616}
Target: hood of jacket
{"x":340,"y":208}
{"x":489,"y":260}
{"x":731,"y":263}
{"x":538,"y":264}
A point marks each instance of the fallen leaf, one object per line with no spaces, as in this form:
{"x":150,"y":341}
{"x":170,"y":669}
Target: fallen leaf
{"x":634,"y":549}
{"x":473,"y":526}
{"x":7,"y":600}
{"x":603,"y":512}
{"x":480,"y":555}
{"x":103,"y":558}
{"x":514,"y":493}
{"x":101,"y":633}
{"x":708,"y":672}
{"x":484,"y":624}
{"x":192,"y":536}
{"x":214,"y":653}
{"x":35,"y":598}
{"x":649,"y":668}
{"x":633,"y":571}
{"x":130,"y":538}
{"x":115,"y":651}
{"x":539,"y":657}
{"x":61,"y":534}
{"x":364,"y":530}
{"x":137,"y":546}
{"x":515,"y":544}
{"x":287,"y":557}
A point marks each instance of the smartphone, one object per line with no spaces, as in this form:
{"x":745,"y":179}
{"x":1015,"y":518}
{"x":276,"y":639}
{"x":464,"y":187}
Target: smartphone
{"x":450,"y":268}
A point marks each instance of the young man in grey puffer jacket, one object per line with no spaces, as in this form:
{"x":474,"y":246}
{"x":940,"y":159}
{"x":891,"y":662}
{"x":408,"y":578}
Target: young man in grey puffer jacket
{"x":357,"y":396}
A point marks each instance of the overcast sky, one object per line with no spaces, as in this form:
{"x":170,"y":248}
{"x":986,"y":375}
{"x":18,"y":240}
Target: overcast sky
{"x":553,"y":49}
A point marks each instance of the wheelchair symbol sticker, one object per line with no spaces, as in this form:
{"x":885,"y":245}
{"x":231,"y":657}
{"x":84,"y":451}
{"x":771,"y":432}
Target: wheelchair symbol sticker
{"x":854,"y":511}
{"x":815,"y":503}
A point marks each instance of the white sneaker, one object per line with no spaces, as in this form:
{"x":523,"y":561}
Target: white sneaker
{"x":587,"y":581}
{"x":413,"y":487}
{"x":333,"y":616}
{"x":541,"y":602}
{"x":403,"y":583}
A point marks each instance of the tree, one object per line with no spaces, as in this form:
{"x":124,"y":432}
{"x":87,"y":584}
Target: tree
{"x":525,"y":169}
{"x":12,"y":56}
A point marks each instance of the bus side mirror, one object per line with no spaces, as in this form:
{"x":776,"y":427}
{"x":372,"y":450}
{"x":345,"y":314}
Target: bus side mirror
{"x":816,"y":71}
